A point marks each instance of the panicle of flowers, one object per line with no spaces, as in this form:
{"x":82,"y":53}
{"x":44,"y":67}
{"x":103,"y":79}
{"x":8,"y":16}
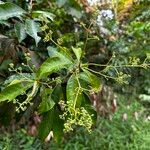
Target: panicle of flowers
{"x":48,"y":36}
{"x":76,"y":117}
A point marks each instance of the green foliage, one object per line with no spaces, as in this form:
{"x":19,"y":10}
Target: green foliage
{"x":91,"y":79}
{"x":38,"y":13}
{"x":9,"y":10}
{"x":110,"y":136}
{"x":32,"y":29}
{"x":15,"y":88}
{"x":77,"y":54}
{"x":20,"y":31}
{"x":47,"y":101}
{"x":74,"y":93}
{"x":49,"y":66}
{"x":51,"y":121}
{"x":47,"y":124}
{"x":63,"y":55}
{"x":20,"y":137}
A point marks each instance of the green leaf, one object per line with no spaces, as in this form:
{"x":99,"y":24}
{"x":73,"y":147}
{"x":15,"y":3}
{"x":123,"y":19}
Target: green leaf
{"x":92,"y":79}
{"x":8,"y":10}
{"x":20,"y":31}
{"x":51,"y":65}
{"x":58,"y":126}
{"x":32,"y":28}
{"x":18,"y":77}
{"x":63,"y":55}
{"x":14,"y":89}
{"x":78,"y":52}
{"x":47,"y":102}
{"x":57,"y":93}
{"x":46,"y":124}
{"x":36,"y":14}
{"x":57,"y":61}
{"x":51,"y":122}
{"x":75,"y":96}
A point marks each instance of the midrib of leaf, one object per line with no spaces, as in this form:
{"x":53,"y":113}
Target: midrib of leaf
{"x":75,"y":93}
{"x":74,"y":105}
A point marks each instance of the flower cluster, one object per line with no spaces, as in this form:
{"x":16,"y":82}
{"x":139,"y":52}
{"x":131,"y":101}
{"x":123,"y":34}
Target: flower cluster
{"x":76,"y":117}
